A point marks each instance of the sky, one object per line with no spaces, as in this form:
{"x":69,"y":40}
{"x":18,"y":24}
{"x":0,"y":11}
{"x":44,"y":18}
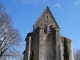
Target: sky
{"x":66,"y":13}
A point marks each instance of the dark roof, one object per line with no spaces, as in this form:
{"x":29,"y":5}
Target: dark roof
{"x":24,"y":52}
{"x":29,"y":34}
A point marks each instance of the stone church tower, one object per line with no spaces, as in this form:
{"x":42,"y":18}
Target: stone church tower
{"x":45,"y":42}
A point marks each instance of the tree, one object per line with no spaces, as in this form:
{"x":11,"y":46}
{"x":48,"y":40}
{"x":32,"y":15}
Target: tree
{"x":77,"y":54}
{"x":9,"y":37}
{"x":66,"y":52}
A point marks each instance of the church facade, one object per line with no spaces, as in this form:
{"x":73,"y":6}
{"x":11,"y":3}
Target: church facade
{"x":45,"y":42}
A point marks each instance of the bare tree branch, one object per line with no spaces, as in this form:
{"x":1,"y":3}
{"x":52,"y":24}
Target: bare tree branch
{"x":77,"y":54}
{"x":10,"y":38}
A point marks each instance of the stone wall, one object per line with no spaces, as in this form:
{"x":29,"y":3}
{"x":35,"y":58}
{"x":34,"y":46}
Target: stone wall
{"x":62,"y":48}
{"x":28,"y":48}
{"x":50,"y":47}
{"x":58,"y":45}
{"x":42,"y":20}
{"x":69,"y":44}
{"x":41,"y":45}
{"x":35,"y":43}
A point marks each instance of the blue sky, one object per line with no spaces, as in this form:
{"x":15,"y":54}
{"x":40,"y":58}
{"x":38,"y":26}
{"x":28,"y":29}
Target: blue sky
{"x":66,"y":12}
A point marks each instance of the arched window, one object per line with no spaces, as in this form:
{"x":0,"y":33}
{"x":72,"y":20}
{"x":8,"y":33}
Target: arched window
{"x":47,"y":18}
{"x":50,"y":29}
{"x":45,"y":29}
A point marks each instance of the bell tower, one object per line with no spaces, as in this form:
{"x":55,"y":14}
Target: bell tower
{"x":45,"y":42}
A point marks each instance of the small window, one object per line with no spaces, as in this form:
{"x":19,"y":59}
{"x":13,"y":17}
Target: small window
{"x":46,"y":17}
{"x":45,"y":29}
{"x":50,"y":30}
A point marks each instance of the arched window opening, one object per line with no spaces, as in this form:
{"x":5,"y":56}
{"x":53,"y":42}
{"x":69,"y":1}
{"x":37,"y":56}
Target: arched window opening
{"x":54,"y":34}
{"x":50,"y":29}
{"x":45,"y":29}
{"x":46,"y":17}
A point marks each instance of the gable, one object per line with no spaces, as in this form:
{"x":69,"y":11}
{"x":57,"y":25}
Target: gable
{"x":46,"y":19}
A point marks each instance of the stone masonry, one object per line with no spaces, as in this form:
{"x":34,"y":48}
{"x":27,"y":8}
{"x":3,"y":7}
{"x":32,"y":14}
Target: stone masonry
{"x":45,"y":42}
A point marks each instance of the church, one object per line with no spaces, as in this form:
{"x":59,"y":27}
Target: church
{"x":45,"y":42}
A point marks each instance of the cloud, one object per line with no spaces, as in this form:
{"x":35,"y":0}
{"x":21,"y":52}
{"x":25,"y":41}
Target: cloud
{"x":29,"y":1}
{"x":25,"y":1}
{"x":57,"y":5}
{"x":33,"y":2}
{"x":78,"y":2}
{"x":44,"y":1}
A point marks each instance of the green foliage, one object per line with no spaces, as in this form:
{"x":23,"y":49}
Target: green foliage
{"x":33,"y":55}
{"x":66,"y":53}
